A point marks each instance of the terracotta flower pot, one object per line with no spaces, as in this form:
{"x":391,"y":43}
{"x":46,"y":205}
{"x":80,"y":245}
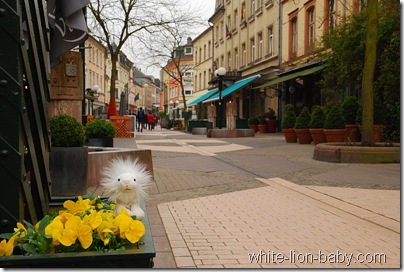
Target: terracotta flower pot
{"x":290,"y":135}
{"x":352,"y":133}
{"x":253,"y":127}
{"x":335,"y":135}
{"x":262,"y":128}
{"x":303,"y":135}
{"x":318,"y":136}
{"x":271,"y":125}
{"x":377,"y":132}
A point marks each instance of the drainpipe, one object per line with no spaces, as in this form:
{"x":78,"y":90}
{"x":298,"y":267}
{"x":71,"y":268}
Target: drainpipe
{"x":343,"y":10}
{"x":280,"y":97}
{"x":213,"y":46}
{"x":279,"y":34}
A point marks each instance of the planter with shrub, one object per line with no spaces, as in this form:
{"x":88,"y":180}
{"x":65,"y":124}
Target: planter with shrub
{"x":68,"y":159}
{"x":100,"y":133}
{"x":253,"y":123}
{"x":262,"y":125}
{"x":349,"y":109}
{"x":288,"y":124}
{"x":316,"y":125}
{"x":302,"y":127}
{"x":334,"y":125}
{"x":270,"y":118}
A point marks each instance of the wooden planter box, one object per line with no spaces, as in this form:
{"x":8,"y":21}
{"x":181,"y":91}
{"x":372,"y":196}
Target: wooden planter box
{"x":140,"y":256}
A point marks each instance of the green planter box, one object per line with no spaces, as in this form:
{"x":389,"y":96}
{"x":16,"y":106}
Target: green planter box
{"x":138,"y":256}
{"x":195,"y":123}
{"x":241,"y":123}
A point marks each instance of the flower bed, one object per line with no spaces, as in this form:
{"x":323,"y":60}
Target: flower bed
{"x":84,"y":234}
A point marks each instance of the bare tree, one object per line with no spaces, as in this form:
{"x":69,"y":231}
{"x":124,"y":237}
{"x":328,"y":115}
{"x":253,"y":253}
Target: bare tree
{"x":167,"y":52}
{"x":115,"y":22}
{"x":166,"y":49}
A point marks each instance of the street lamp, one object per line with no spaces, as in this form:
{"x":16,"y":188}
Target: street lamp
{"x":91,"y":94}
{"x":145,"y":86}
{"x":220,"y":73}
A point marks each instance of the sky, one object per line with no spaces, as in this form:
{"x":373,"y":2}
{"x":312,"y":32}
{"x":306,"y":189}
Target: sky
{"x":207,"y":8}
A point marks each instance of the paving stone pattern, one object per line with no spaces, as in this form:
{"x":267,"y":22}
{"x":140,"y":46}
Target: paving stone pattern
{"x":216,"y":202}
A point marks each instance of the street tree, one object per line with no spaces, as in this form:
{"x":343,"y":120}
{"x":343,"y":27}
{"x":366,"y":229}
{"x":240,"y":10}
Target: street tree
{"x":366,"y":66}
{"x":368,"y":73}
{"x":117,"y":22}
{"x":167,"y":50}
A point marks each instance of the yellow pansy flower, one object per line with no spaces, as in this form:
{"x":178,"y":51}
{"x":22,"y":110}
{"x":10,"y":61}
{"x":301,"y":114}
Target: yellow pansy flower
{"x":135,"y":231}
{"x":94,"y":219}
{"x":20,"y":230}
{"x":7,"y":247}
{"x":75,"y":228}
{"x":55,"y":229}
{"x":3,"y":244}
{"x":78,"y":207}
{"x":129,"y":228}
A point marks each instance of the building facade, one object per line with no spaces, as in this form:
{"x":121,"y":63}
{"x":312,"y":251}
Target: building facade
{"x":94,"y":85}
{"x":273,"y":43}
{"x":177,"y":76}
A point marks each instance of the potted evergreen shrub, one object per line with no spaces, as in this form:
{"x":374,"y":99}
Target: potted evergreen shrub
{"x":100,"y":133}
{"x":68,"y":159}
{"x":349,"y":109}
{"x":334,"y":125}
{"x":253,"y":123}
{"x":270,"y":118}
{"x":288,"y":124}
{"x":262,"y":125}
{"x":302,"y":127}
{"x":316,"y":125}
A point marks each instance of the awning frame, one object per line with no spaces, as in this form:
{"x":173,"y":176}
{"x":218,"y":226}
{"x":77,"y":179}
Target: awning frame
{"x":290,"y":76}
{"x":233,"y":88}
{"x":202,"y":97}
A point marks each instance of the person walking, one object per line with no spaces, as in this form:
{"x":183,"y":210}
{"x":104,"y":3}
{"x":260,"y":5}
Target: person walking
{"x":140,"y":119}
{"x":150,"y":121}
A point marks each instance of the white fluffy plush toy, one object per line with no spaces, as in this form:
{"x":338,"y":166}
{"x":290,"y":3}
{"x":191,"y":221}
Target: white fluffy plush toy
{"x":125,"y":182}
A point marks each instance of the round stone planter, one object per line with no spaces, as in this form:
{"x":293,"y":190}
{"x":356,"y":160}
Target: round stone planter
{"x":355,"y":153}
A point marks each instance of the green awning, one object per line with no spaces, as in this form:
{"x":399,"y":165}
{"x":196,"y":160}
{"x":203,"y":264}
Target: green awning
{"x":202,"y":97}
{"x":291,"y":76}
{"x":229,"y":90}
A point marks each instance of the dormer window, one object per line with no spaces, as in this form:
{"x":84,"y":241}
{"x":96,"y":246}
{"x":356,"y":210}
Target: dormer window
{"x":188,"y":50}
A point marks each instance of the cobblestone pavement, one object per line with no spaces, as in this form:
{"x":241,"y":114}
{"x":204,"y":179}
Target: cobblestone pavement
{"x":216,"y":202}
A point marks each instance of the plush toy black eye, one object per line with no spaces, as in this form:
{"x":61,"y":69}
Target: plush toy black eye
{"x":119,"y":179}
{"x":134,"y":179}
